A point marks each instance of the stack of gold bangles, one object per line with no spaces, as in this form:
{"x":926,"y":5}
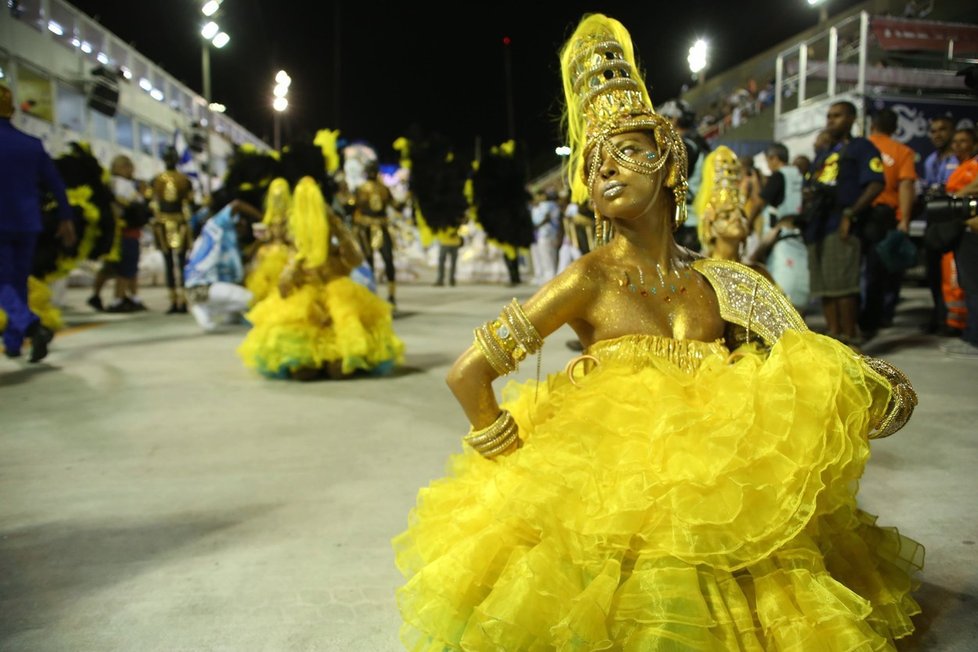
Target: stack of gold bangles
{"x":495,"y":438}
{"x":508,"y":339}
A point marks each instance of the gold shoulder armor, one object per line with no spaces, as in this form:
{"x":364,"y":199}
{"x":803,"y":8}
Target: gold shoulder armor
{"x":903,"y":398}
{"x":750,"y":300}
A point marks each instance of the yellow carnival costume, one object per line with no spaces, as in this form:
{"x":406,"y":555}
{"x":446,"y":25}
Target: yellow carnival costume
{"x":273,"y":255}
{"x":667,"y":494}
{"x":325,"y":320}
{"x":721,"y":204}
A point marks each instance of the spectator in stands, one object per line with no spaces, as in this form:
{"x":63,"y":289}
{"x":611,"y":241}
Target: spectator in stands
{"x":938,"y":167}
{"x":697,"y":148}
{"x":848,"y":177}
{"x":964,"y":183}
{"x":781,"y":249}
{"x":891,"y":210}
{"x":804,"y":165}
{"x":940,"y":163}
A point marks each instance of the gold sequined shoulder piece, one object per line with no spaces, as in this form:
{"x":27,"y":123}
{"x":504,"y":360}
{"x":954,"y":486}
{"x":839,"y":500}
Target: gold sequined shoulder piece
{"x":750,"y":300}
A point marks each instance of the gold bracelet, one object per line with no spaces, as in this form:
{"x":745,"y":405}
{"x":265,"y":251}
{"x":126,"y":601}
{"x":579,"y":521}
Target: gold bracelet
{"x":903,"y":398}
{"x":508,"y":340}
{"x":494,"y":438}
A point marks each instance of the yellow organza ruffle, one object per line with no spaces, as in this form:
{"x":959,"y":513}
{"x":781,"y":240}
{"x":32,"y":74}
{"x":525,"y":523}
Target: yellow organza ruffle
{"x":269,"y":262}
{"x":652,"y":508}
{"x":318,"y":324}
{"x":40,"y":302}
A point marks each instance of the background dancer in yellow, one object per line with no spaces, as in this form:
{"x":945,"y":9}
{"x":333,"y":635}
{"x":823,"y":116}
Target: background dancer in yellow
{"x":689,"y":482}
{"x":273,"y":253}
{"x":319,"y":321}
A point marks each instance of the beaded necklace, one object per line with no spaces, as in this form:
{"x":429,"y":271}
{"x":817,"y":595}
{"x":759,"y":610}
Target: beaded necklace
{"x":666,"y":285}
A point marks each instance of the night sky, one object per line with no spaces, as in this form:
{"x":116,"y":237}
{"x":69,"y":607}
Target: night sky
{"x":409,"y":64}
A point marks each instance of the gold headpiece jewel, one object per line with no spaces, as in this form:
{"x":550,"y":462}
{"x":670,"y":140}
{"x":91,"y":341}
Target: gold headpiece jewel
{"x":605,"y":96}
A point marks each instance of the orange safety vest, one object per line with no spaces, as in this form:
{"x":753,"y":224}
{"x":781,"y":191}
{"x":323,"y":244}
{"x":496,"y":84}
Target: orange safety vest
{"x":957,"y":313}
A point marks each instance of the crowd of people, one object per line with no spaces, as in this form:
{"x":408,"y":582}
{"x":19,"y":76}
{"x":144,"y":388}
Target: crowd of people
{"x":835,"y":230}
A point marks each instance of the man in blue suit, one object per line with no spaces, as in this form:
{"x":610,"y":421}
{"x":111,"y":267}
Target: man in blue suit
{"x":26,"y":171}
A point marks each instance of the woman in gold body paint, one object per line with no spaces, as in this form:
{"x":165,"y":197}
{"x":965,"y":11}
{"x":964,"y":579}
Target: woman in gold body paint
{"x":687,"y":484}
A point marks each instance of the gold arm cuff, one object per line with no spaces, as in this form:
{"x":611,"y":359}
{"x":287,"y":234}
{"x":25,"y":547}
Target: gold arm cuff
{"x":903,"y":398}
{"x":495,"y":438}
{"x":508,"y":340}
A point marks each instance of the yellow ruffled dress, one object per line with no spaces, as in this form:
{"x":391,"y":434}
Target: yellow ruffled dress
{"x":674,"y":498}
{"x":320,"y":323}
{"x":270,"y":260}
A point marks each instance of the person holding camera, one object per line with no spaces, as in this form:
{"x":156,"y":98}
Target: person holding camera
{"x":938,"y":167}
{"x":848,"y":177}
{"x":963,"y":183}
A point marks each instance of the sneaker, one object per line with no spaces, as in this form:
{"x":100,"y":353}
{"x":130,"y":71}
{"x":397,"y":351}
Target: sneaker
{"x":95,"y":302}
{"x":136,"y":305}
{"x":119,"y":306}
{"x":40,"y":339}
{"x":960,"y":349}
{"x":11,"y":353}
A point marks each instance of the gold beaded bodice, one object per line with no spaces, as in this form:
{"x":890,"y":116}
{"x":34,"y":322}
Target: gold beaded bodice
{"x":637,"y":351}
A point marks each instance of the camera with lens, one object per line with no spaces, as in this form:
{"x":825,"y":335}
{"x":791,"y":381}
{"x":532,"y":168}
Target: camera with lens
{"x":946,"y":216}
{"x":945,"y":208}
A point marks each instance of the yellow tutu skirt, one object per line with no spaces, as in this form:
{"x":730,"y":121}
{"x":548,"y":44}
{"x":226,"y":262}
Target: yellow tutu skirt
{"x":340,"y":321}
{"x":40,"y":303}
{"x":657,"y":508}
{"x":269,"y":262}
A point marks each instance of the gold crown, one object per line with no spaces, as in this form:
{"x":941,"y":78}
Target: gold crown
{"x":607,"y":89}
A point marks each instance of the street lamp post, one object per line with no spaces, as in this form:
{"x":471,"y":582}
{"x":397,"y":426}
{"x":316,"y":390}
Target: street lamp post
{"x":508,"y":67}
{"x":823,"y":12}
{"x":212,"y":35}
{"x":697,"y":60}
{"x":280,"y":103}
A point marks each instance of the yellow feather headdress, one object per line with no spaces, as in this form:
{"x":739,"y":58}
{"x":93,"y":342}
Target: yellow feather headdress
{"x":309,"y":223}
{"x":278,"y":201}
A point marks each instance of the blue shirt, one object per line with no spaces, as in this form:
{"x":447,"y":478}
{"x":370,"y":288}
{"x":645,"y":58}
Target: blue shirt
{"x":849,"y":168}
{"x":25,"y":171}
{"x":938,"y":169}
{"x":215,"y":256}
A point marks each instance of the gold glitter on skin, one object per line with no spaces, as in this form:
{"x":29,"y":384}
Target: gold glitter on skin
{"x":588,"y":295}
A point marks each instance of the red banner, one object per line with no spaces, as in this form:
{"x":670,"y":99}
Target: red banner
{"x":929,"y":35}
